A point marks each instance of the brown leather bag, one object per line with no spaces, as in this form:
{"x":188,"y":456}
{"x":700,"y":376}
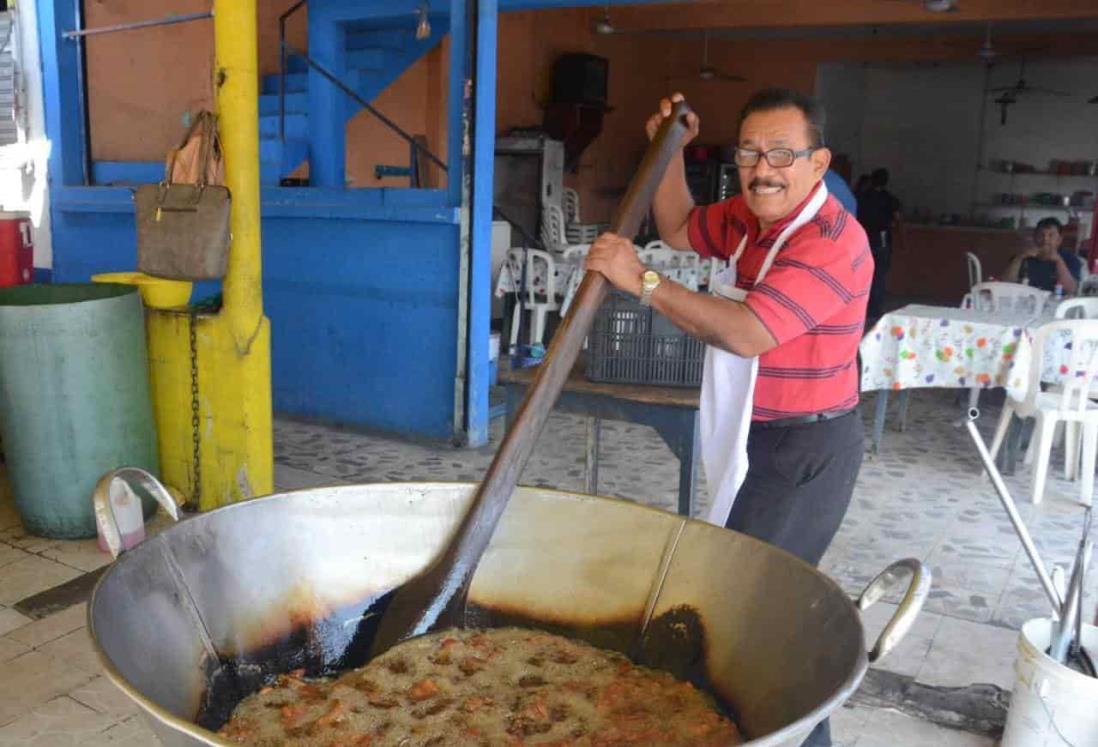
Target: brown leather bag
{"x":183,"y":222}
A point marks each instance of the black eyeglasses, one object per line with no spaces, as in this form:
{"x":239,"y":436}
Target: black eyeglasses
{"x":778,"y":158}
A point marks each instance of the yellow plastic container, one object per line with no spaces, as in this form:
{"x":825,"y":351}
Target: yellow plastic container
{"x":156,"y":293}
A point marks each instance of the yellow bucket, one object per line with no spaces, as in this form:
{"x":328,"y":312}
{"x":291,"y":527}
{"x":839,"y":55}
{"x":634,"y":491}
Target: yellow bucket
{"x":156,"y":293}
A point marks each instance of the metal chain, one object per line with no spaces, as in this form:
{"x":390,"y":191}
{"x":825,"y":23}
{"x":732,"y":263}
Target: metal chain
{"x":195,"y":420}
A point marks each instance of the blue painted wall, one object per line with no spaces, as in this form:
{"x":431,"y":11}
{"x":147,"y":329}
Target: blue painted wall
{"x":360,"y":287}
{"x":363,"y":318}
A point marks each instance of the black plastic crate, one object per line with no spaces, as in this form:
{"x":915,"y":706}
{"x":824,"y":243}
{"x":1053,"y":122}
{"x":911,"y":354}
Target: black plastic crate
{"x":634,"y":344}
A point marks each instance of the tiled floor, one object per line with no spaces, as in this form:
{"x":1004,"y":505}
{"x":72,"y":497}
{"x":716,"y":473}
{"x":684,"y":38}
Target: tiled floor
{"x":922,"y":497}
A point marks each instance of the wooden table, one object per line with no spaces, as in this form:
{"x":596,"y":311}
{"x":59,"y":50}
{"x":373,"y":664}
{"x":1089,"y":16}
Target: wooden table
{"x":672,"y":411}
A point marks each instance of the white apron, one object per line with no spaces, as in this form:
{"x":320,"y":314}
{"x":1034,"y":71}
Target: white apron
{"x":728,"y":386}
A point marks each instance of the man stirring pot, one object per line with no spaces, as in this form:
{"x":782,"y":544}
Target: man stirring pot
{"x":782,"y":442}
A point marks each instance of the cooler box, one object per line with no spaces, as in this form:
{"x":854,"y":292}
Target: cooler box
{"x":16,"y":249}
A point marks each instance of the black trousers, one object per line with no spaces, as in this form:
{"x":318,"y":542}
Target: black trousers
{"x":799,"y":483}
{"x":882,"y":260}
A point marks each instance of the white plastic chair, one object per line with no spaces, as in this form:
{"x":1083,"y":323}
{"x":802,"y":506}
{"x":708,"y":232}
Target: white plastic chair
{"x":541,"y":264}
{"x":583,"y":233}
{"x":1078,"y":308}
{"x":715,"y":268}
{"x":575,"y":230}
{"x":1073,"y":308}
{"x":1069,"y":405}
{"x":552,"y":228}
{"x":1010,"y":297}
{"x":682,"y":267}
{"x":975,"y":269}
{"x":575,"y":252}
{"x":571,"y":203}
{"x":1089,"y":286}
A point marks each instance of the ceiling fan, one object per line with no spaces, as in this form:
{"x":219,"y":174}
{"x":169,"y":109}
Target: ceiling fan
{"x":989,"y":53}
{"x":1022,"y":87}
{"x":709,"y":72}
{"x":604,"y":26}
{"x":1008,"y":95}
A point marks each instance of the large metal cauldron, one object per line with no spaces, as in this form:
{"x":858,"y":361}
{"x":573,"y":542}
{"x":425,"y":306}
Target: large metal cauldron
{"x":189,"y":621}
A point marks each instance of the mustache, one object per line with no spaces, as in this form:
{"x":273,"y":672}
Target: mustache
{"x":764,"y":183}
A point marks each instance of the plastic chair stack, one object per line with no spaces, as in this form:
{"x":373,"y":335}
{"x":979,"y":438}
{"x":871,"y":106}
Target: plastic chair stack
{"x":682,"y":267}
{"x":575,"y":230}
{"x":1008,"y":297}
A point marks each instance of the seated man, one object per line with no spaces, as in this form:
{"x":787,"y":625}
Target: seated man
{"x":1046,"y":264}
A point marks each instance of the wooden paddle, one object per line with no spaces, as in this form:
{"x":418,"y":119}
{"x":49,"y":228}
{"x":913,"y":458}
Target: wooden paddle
{"x":436,"y":598}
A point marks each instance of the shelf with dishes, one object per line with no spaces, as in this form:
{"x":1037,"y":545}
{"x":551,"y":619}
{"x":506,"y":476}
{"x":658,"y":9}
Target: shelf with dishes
{"x":1056,"y":168}
{"x":1023,"y":216}
{"x":1030,"y":205}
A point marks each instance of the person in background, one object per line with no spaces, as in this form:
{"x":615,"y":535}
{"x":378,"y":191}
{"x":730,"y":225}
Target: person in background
{"x":836,"y":185}
{"x":878,"y":211}
{"x":862,"y":185}
{"x":840,"y":164}
{"x":1047,"y":262}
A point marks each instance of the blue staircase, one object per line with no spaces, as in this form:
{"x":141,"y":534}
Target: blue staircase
{"x":378,"y":51}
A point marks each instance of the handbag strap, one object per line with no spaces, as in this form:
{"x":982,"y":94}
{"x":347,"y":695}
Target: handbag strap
{"x":209,"y":137}
{"x":208,"y":121}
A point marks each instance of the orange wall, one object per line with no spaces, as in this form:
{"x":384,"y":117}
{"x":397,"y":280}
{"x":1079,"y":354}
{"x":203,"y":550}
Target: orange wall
{"x":416,"y":102}
{"x":142,"y":82}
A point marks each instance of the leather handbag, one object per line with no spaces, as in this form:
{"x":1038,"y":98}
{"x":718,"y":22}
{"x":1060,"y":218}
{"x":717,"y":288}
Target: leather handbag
{"x":183,"y":222}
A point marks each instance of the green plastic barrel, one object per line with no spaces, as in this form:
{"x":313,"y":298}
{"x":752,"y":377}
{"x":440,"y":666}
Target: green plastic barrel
{"x":74,"y":399}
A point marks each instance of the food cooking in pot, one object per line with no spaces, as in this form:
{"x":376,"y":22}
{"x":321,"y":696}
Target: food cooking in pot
{"x":505,"y":686}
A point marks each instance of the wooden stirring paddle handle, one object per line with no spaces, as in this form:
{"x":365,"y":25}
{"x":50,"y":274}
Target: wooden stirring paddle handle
{"x":436,"y":598}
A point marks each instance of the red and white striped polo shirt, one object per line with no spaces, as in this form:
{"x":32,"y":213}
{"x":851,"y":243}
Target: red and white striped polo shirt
{"x":812,"y":300}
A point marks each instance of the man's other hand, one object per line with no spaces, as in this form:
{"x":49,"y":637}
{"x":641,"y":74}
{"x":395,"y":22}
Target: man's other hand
{"x":693,"y":124}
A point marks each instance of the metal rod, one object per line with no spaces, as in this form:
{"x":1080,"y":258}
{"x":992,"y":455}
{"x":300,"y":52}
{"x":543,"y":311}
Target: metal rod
{"x":1012,"y":511}
{"x":1065,"y":630}
{"x":169,"y":21}
{"x":282,"y":67}
{"x":367,"y":106}
{"x":282,"y":80}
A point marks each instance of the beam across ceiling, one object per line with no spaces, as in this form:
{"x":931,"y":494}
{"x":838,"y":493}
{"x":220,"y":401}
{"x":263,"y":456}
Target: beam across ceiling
{"x":734,"y":14}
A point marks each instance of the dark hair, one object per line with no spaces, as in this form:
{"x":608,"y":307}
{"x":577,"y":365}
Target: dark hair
{"x":1049,"y":223}
{"x":879,"y":177}
{"x":769,"y":99}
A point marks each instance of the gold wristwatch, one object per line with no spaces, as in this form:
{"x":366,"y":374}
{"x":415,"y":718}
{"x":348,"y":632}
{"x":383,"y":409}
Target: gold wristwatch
{"x":650,"y":280}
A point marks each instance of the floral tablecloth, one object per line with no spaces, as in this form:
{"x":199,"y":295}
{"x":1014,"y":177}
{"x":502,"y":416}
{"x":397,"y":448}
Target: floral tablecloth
{"x":936,"y":346}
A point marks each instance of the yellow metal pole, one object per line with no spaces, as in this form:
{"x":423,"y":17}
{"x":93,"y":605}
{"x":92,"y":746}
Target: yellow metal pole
{"x":234,"y":346}
{"x":236,"y":80}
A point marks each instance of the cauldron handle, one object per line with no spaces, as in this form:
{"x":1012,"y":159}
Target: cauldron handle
{"x":917,"y":590}
{"x":104,"y":512}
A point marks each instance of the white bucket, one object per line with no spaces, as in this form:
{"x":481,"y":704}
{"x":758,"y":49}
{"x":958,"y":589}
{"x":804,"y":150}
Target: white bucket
{"x":1052,"y":705}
